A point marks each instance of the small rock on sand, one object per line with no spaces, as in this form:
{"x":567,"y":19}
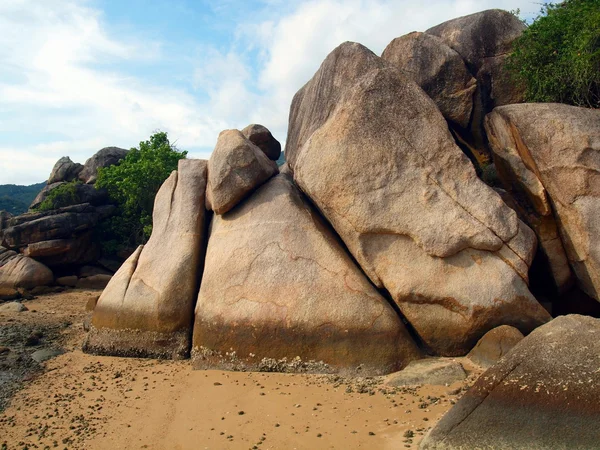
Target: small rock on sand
{"x":434,"y":371}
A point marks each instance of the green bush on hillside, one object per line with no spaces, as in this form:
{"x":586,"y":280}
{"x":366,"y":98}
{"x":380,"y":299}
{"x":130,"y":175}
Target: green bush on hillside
{"x":557,"y":59}
{"x":64,"y":195}
{"x":133,"y":184}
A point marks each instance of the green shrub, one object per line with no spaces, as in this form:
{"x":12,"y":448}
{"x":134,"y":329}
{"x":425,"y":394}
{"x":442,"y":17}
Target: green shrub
{"x":64,"y":195}
{"x":557,"y":59}
{"x":132,"y":184}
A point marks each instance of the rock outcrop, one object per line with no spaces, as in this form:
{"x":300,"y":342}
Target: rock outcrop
{"x":263,"y":139}
{"x":147,"y":307}
{"x":438,"y":70}
{"x":20,"y":272}
{"x":494,"y":345}
{"x":105,"y":157}
{"x":62,"y":223}
{"x":64,"y":170}
{"x":235,"y":169}
{"x":278,"y":285}
{"x":407,"y":202}
{"x":547,"y":156}
{"x":544,"y":394}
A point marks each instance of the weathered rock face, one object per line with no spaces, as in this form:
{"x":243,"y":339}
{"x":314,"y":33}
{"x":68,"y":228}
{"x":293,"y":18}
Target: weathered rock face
{"x":438,"y":70}
{"x":494,"y":345}
{"x":44,"y":193}
{"x":64,"y":170}
{"x":483,"y":40}
{"x":277,"y":284}
{"x":547,"y":155}
{"x":18,"y":271}
{"x":147,"y":308}
{"x":108,"y":156}
{"x":263,"y":139}
{"x":481,"y":35}
{"x":543,"y":394}
{"x":236,"y":168}
{"x":408,"y":204}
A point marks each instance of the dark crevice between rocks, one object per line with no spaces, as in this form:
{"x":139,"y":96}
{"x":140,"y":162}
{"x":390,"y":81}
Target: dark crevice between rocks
{"x":382,"y":291}
{"x":206,"y":226}
{"x":411,"y":330}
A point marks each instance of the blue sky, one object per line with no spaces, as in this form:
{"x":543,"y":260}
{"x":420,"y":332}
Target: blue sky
{"x":79,"y":75}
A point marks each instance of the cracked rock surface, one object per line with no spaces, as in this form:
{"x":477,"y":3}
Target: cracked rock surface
{"x":408,"y":204}
{"x":278,"y":284}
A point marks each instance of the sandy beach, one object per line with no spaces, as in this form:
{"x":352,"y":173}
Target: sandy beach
{"x":77,"y":400}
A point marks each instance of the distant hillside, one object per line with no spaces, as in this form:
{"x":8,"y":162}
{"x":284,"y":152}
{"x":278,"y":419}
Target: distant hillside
{"x":16,"y":199}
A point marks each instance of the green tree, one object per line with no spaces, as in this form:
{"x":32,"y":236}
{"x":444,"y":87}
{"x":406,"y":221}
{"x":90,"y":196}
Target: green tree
{"x":557,"y":59}
{"x":132,"y":184}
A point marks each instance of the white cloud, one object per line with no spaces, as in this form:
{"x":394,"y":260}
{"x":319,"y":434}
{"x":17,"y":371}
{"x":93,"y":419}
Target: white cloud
{"x":61,"y":74}
{"x":52,"y":88}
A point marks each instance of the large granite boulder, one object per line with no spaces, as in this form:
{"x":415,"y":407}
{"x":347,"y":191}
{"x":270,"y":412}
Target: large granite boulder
{"x":235,"y":169}
{"x":544,"y":394}
{"x":263,"y":139}
{"x":147,"y":307}
{"x":105,"y":157}
{"x":547,"y":155}
{"x":278,"y":286}
{"x":18,"y":271}
{"x":64,"y":170}
{"x":408,"y":204}
{"x":438,"y":70}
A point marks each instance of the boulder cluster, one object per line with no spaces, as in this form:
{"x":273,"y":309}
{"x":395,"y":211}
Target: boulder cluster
{"x":377,"y":243}
{"x":41,"y":248}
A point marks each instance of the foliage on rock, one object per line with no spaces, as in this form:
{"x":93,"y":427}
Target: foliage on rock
{"x":64,"y":195}
{"x":133,"y":184}
{"x":557,"y":58}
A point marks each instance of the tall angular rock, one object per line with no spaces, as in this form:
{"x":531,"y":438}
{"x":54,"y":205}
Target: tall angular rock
{"x":547,"y":154}
{"x":543,"y":394}
{"x":147,"y":308}
{"x":438,"y":70}
{"x":278,"y":284}
{"x":408,"y":204}
{"x":235,"y":169}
